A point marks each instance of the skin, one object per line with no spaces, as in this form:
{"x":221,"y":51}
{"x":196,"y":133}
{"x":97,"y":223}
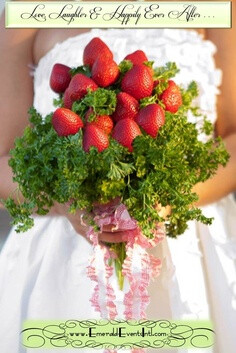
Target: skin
{"x":20,"y":47}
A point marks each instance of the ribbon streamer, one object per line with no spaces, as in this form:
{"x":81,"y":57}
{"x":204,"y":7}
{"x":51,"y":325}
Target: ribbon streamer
{"x":139,"y":266}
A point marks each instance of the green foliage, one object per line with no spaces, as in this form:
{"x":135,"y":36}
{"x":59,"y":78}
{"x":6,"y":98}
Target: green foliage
{"x":207,"y":127}
{"x":167,"y":169}
{"x":188,"y":96}
{"x":125,"y":66}
{"x":166,"y":72}
{"x":163,"y":170}
{"x":149,"y":64}
{"x":102,"y":101}
{"x":161,"y":74}
{"x":58,"y":102}
{"x":148,"y":100}
{"x":84,"y":69}
{"x":160,"y":88}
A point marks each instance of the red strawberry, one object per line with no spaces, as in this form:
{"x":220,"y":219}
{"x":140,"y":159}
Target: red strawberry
{"x":150,"y":70}
{"x":105,"y":72}
{"x":89,"y":113}
{"x":104,"y":122}
{"x":138,"y":82}
{"x":151,"y":118}
{"x":78,"y":88}
{"x":93,"y":136}
{"x":155,"y":83}
{"x":171,"y":97}
{"x":137,"y":57}
{"x":66,"y":122}
{"x":126,"y":107}
{"x":67,"y":100}
{"x":94,"y":49}
{"x":125,"y":132}
{"x":60,"y":78}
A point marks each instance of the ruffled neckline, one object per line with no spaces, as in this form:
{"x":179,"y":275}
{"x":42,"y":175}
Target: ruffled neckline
{"x":171,"y":33}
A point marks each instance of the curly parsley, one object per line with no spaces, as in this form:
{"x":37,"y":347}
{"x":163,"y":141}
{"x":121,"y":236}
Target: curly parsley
{"x":163,"y":170}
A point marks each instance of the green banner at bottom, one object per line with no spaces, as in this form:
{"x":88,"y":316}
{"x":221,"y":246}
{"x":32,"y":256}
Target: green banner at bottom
{"x":117,"y":334}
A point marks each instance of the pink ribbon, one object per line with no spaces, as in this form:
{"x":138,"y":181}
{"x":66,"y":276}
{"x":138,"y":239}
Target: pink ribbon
{"x":139,"y":266}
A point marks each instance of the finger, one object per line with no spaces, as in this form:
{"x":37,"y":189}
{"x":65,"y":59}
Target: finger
{"x":111,"y":228}
{"x":116,"y":237}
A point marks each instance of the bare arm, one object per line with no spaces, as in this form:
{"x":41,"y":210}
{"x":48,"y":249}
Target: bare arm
{"x":224,"y":181}
{"x":16,"y":92}
{"x":17,"y":87}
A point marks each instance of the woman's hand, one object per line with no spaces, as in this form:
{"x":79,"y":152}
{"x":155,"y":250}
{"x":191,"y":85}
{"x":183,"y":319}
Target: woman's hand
{"x":80,"y":224}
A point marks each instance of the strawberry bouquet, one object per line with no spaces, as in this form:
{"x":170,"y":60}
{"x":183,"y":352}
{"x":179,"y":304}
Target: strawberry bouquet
{"x":119,"y":146}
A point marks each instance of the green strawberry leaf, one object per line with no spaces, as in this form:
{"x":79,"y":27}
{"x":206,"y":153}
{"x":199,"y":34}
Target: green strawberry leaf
{"x":125,"y":66}
{"x":83,"y":69}
{"x":149,"y":63}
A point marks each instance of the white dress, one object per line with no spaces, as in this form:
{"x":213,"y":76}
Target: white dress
{"x":43,"y":271}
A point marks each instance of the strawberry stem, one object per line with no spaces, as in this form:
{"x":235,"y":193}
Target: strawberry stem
{"x":119,"y":249}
